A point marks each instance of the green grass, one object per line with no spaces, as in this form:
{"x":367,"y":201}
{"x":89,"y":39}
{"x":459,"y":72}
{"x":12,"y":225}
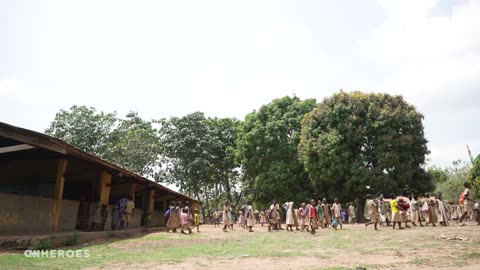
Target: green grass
{"x":172,"y":248}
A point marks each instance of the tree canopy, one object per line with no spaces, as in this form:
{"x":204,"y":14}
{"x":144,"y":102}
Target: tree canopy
{"x":197,"y":155}
{"x":456,"y":175}
{"x":267,"y":149}
{"x":131,"y":143}
{"x":356,"y":143}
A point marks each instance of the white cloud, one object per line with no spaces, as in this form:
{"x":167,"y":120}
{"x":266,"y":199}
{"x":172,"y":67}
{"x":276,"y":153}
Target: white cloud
{"x":411,"y":34}
{"x":434,"y":61}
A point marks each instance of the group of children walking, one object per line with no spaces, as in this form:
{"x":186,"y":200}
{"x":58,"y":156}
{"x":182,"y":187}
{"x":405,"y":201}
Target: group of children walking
{"x":431,"y":210}
{"x":180,"y":216}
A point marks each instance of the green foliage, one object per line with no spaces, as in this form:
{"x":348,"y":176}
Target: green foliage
{"x":354,"y":140}
{"x":198,"y":155}
{"x":42,"y":244}
{"x":131,"y":143}
{"x":74,"y":240}
{"x":84,"y":128}
{"x":134,"y":144}
{"x":474,"y":175}
{"x":456,"y":176}
{"x":267,"y":149}
{"x":185,"y":156}
{"x":438,"y":175}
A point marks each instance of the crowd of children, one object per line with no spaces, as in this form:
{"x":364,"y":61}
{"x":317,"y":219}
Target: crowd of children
{"x":397,"y":211}
{"x":180,"y":216}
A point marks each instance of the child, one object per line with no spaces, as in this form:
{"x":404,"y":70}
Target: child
{"x":184,"y":218}
{"x":403,"y":207}
{"x":196,"y":220}
{"x":372,"y":208}
{"x":337,"y":212}
{"x":396,"y":219}
{"x":216,"y":220}
{"x":313,"y":216}
{"x":146,"y":222}
{"x":468,"y":202}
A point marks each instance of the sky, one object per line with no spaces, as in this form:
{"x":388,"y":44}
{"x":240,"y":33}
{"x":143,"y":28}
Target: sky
{"x":227,"y":58}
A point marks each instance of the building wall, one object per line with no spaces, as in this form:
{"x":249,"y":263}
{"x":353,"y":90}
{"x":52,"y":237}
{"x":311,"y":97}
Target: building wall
{"x":23,"y":214}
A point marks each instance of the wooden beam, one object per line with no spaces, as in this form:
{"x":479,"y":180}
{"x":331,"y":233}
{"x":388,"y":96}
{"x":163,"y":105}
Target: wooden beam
{"x":132,"y":191}
{"x":60,"y":181}
{"x":15,"y":148}
{"x":103,"y":187}
{"x":18,"y":135}
{"x":151,"y":200}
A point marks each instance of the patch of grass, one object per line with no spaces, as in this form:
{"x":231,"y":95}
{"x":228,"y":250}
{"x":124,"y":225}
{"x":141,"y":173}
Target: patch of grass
{"x":170,"y":248}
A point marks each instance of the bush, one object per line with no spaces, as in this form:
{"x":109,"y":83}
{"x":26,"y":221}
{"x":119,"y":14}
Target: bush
{"x":74,"y":240}
{"x":43,"y":244}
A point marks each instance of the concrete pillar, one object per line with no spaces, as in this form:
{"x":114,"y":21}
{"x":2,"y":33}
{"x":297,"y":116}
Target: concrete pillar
{"x":59,"y":184}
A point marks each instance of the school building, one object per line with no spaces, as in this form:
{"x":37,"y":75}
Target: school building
{"x":43,"y":179}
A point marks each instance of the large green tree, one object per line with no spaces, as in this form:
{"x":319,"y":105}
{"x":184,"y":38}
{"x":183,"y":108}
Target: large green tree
{"x":225,"y":173}
{"x":84,"y":128}
{"x":197,"y":156}
{"x":356,"y":143}
{"x":135,"y":145}
{"x":267,"y":148}
{"x":131,"y":143}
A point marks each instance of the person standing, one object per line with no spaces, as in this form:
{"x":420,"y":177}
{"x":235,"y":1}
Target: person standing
{"x":384,"y":211}
{"x":313,"y":216}
{"x":262,"y":217}
{"x":225,"y":217}
{"x":414,"y":211}
{"x":431,"y":213}
{"x":396,"y":219}
{"x":351,"y":214}
{"x":274,"y":216}
{"x":326,"y":213}
{"x":301,"y":217}
{"x":320,"y":214}
{"x":468,"y":201}
{"x":196,"y":220}
{"x":372,"y":208}
{"x":216,"y":219}
{"x":337,"y":212}
{"x":174,"y":218}
{"x":129,"y":211}
{"x":290,"y":220}
{"x":295,"y":218}
{"x":184,"y":220}
{"x":249,"y":216}
{"x":441,"y":210}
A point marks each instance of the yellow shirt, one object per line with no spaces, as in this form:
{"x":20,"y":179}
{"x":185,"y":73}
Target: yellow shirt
{"x":196,"y":219}
{"x":393,"y":206}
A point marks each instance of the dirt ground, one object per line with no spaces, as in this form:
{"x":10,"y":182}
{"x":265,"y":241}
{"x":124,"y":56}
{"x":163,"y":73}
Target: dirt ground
{"x":451,"y":247}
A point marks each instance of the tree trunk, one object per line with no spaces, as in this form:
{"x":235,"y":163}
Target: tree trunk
{"x":360,"y":210}
{"x":228,"y":189}
{"x":207,"y":203}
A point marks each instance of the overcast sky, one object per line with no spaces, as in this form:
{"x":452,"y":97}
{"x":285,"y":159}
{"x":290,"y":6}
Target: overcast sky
{"x":227,"y":58}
